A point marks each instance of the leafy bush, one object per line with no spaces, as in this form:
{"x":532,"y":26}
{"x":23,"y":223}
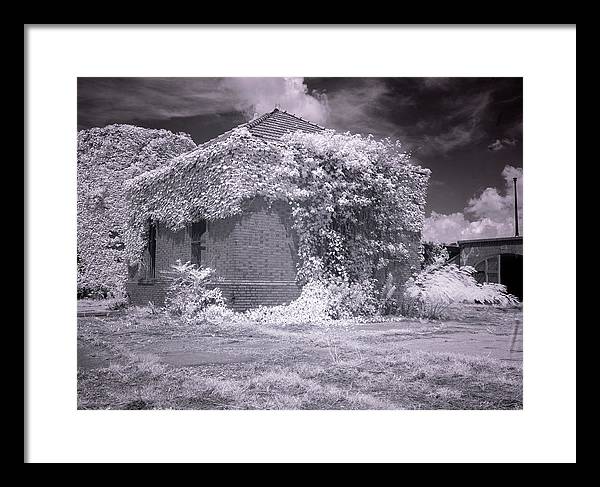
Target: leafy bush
{"x":320,"y":302}
{"x":434,"y":253}
{"x":429,"y":293}
{"x":347,"y":299}
{"x":188,"y":296}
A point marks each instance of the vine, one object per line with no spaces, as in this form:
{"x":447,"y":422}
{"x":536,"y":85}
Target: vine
{"x":106,"y":157}
{"x":355,"y":201}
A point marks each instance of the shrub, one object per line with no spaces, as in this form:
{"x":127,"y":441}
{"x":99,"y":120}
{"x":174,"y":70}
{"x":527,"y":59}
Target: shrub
{"x":430,"y":292}
{"x":321,"y":302}
{"x":188,"y":296}
{"x":434,"y":253}
{"x":347,"y":299}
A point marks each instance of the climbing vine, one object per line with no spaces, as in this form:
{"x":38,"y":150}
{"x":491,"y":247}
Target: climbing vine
{"x":356,"y":201}
{"x":106,"y":157}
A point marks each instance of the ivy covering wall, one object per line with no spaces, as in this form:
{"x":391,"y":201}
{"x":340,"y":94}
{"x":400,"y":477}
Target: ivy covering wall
{"x":106,"y":157}
{"x":354,"y":200}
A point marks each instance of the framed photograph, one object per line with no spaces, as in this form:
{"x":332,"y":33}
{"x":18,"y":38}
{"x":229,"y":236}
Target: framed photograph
{"x":340,"y":244}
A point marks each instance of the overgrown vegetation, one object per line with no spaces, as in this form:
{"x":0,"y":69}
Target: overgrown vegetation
{"x":320,"y":302}
{"x":188,"y":295}
{"x":357,"y":203}
{"x":430,"y":292}
{"x":434,"y":253}
{"x":106,"y":157}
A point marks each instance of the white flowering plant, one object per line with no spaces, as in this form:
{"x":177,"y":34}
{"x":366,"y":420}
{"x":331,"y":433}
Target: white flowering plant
{"x":320,"y":302}
{"x":189,"y":296}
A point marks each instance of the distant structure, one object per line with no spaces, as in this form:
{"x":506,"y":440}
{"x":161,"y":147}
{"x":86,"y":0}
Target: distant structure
{"x":497,"y":260}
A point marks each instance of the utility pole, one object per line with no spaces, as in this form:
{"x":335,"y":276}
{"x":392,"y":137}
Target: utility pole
{"x":516,"y":209}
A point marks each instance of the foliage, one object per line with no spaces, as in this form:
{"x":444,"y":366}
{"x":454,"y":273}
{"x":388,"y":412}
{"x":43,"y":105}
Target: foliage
{"x":430,"y":292}
{"x":349,"y":299}
{"x":209,"y":183}
{"x":435,"y":253}
{"x":355,"y":201}
{"x":106,"y":157}
{"x":188,"y":295}
{"x":388,"y":301}
{"x":320,"y":302}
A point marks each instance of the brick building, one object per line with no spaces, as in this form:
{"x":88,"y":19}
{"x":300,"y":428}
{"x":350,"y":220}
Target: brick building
{"x":497,"y":260}
{"x":253,"y":253}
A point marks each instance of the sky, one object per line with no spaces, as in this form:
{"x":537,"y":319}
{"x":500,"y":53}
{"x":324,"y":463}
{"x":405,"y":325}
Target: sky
{"x":468,"y":131}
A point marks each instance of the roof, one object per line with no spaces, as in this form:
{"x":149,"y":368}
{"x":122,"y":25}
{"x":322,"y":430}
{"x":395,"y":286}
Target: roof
{"x":272,"y":126}
{"x":275,"y":124}
{"x":489,"y":240}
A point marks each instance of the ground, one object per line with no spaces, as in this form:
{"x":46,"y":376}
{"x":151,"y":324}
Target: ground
{"x":138,"y":358}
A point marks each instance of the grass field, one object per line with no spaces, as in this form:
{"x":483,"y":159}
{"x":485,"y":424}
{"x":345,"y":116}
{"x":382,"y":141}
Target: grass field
{"x":144,"y":360}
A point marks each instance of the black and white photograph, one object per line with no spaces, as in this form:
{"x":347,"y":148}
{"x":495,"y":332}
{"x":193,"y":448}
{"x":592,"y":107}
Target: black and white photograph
{"x":300,"y":243}
{"x":342,"y":249}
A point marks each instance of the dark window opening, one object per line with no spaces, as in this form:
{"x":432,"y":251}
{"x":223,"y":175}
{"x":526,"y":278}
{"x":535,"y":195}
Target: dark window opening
{"x":197,"y":234}
{"x":152,"y":250}
{"x":505,"y":269}
{"x":198,"y":230}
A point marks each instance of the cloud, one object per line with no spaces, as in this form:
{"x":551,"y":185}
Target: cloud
{"x":362,"y":107}
{"x":437,"y":83}
{"x":110,"y":100}
{"x":464,"y":116}
{"x":488,"y":215}
{"x":450,"y":228}
{"x":502,"y":144}
{"x":255,"y":96}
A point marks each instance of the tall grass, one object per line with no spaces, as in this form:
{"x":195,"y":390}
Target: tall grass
{"x":429,"y":294}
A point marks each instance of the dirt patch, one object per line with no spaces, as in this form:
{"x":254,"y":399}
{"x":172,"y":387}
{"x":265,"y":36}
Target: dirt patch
{"x":94,"y":357}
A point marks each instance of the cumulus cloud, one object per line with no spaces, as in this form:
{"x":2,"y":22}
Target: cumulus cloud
{"x":109,"y":100}
{"x":255,"y":96}
{"x":488,"y":215}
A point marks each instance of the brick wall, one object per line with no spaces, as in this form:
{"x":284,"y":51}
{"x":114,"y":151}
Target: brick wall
{"x":143,"y":292}
{"x":254,"y":256}
{"x":244,"y":295}
{"x":257,"y":245}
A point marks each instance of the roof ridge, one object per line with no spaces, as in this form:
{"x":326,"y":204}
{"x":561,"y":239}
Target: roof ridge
{"x":299,"y":118}
{"x":267,"y":128}
{"x":258,"y":120}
